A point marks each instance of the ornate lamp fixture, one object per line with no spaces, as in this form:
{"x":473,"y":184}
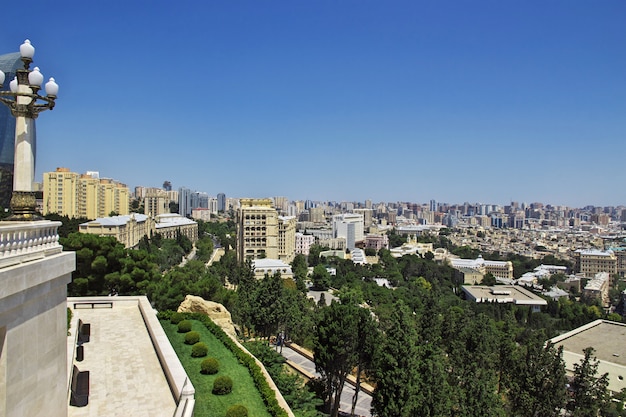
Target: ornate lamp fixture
{"x":26,"y":103}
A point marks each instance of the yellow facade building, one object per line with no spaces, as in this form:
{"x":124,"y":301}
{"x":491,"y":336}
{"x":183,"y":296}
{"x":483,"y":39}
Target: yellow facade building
{"x":257,"y":229}
{"x":75,"y":195}
{"x":127,"y":229}
{"x":590,"y":262}
{"x":286,"y":238}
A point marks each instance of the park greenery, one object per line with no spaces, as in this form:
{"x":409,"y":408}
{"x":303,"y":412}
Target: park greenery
{"x":427,"y":351}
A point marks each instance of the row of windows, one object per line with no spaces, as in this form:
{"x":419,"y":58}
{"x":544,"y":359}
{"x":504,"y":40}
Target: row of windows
{"x":255,"y":216}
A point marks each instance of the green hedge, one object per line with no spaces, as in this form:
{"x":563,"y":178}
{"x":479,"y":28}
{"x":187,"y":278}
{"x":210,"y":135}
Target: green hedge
{"x":199,"y":350}
{"x":222,"y":385}
{"x":267,"y":393}
{"x":184,"y":326}
{"x":237,"y":410}
{"x":209,"y":366}
{"x":192,"y":338}
{"x":176,"y":318}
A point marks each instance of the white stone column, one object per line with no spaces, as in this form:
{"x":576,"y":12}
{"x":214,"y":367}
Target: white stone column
{"x":24,"y":163}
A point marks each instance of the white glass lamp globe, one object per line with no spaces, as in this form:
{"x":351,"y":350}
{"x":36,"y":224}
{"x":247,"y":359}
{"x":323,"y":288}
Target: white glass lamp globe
{"x":2,"y":77}
{"x":52,"y":88}
{"x":13,"y":85}
{"x":35,"y":77}
{"x":27,"y":50}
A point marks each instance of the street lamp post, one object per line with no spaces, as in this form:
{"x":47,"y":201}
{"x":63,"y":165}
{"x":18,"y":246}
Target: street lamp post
{"x":26,"y":103}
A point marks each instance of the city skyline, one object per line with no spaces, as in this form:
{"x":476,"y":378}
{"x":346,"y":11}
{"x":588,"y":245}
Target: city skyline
{"x":405,"y":101}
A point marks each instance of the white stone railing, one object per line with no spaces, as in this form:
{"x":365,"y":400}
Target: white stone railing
{"x":26,"y":241}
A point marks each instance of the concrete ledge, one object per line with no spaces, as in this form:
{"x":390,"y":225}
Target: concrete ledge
{"x":173,"y":370}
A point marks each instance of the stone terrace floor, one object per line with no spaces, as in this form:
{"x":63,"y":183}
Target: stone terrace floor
{"x":126,"y":378}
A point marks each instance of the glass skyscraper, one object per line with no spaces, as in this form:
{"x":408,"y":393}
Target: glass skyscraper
{"x":9,"y":63}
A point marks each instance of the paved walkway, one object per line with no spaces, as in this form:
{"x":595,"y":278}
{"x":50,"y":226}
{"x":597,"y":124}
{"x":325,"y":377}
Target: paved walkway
{"x":304,"y":365}
{"x":126,"y":378}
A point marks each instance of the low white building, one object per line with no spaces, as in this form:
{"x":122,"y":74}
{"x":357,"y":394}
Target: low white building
{"x":504,"y":294}
{"x":169,"y":225}
{"x":303,"y":243}
{"x":266,"y":266}
{"x":608,"y":340}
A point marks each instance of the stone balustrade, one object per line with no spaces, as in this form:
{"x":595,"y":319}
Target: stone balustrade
{"x":26,"y":241}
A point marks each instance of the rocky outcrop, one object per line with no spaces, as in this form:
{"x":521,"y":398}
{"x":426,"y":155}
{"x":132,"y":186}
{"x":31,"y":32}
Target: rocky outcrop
{"x":216,"y":311}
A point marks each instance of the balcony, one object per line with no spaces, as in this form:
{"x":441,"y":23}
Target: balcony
{"x":26,"y":241}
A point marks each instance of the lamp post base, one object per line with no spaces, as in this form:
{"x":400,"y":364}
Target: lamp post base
{"x":24,"y":207}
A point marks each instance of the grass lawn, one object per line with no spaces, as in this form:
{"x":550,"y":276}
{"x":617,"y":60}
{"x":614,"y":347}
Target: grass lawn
{"x":207,"y":404}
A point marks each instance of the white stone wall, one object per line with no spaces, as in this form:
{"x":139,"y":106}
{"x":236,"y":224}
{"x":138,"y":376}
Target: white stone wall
{"x":33,"y":333}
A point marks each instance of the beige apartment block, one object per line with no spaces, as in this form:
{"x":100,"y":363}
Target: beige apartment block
{"x":59,"y":192}
{"x":590,"y":262}
{"x":156,"y":202}
{"x":257,"y":229}
{"x":286,"y":238}
{"x":75,"y":195}
{"x":598,"y":288}
{"x":316,"y":215}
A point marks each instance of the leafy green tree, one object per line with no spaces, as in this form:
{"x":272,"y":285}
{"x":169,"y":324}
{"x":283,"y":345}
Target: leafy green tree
{"x":410,"y":374}
{"x":314,"y":254}
{"x":320,"y":278}
{"x":536,"y":380}
{"x":300,"y":271}
{"x":367,"y":340}
{"x":471,"y":344}
{"x":68,"y":225}
{"x":489,"y":279}
{"x":336,"y":350}
{"x":590,"y":394}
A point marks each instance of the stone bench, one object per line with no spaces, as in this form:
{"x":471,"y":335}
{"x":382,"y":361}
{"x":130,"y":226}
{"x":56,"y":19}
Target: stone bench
{"x":84,"y":332}
{"x":80,"y":388}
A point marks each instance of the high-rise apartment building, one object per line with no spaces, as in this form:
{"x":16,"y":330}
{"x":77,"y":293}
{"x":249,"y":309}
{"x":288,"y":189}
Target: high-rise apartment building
{"x":281,"y":203}
{"x":262,"y":233}
{"x":221,"y":202}
{"x":199,"y":200}
{"x":286,"y":238}
{"x":368,"y":215}
{"x":350,"y":227}
{"x":184,"y":201}
{"x":316,"y":215}
{"x":257,"y":229}
{"x":75,"y":195}
{"x":156,"y":202}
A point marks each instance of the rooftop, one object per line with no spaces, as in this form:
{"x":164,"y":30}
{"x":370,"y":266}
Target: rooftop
{"x":116,"y":220}
{"x":606,"y":337}
{"x":503,"y":294}
{"x":128,"y":357}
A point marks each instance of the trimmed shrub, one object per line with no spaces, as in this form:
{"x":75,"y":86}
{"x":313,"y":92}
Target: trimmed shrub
{"x":176,"y":318}
{"x":209,"y":366}
{"x":184,"y":326}
{"x":69,"y":320}
{"x":222,"y":385}
{"x":237,"y":410}
{"x":199,"y":350}
{"x":191,"y":338}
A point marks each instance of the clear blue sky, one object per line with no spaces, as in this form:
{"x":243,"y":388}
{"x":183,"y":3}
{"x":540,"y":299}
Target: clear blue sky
{"x":479,"y":101}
